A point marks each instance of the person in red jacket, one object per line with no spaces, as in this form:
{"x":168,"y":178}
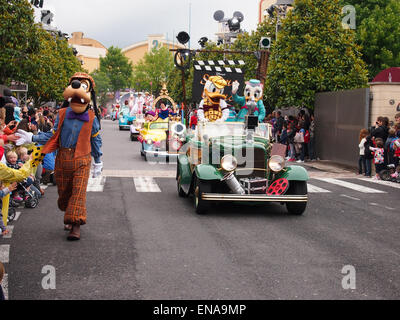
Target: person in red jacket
{"x":193,"y":120}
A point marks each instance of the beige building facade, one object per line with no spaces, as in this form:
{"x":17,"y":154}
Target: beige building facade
{"x":90,"y":51}
{"x":263,"y":6}
{"x":385,"y":100}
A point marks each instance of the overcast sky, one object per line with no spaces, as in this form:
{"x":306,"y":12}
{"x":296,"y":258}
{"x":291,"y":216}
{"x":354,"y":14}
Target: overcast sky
{"x":124,"y":22}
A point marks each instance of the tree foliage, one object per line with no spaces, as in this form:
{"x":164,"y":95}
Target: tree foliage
{"x":103,"y":85}
{"x":313,"y":54}
{"x":155,"y":67}
{"x":32,"y":55}
{"x":50,"y":69}
{"x":17,"y":38}
{"x":118,"y":69}
{"x":378,"y":32}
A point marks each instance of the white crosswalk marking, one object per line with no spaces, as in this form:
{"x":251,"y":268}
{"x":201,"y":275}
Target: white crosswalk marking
{"x":381,"y":182}
{"x":313,"y":189}
{"x":17,"y":215}
{"x":96,"y":184}
{"x":350,"y":185}
{"x":146,"y":184}
{"x":4,"y":284}
{"x":5,"y":253}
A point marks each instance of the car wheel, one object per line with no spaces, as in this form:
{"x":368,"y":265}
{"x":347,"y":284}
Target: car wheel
{"x":142,"y":151}
{"x":200,"y":205}
{"x":297,"y":188}
{"x":133,"y":138}
{"x":120,"y":128}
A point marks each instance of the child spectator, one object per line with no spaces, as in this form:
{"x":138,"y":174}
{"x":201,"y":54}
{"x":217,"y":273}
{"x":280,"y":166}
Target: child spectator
{"x":362,"y":160}
{"x":283,"y":139}
{"x":4,"y":192}
{"x":379,"y":156}
{"x":389,"y":152}
{"x":396,"y":150}
{"x":24,"y":156}
{"x":14,"y":163}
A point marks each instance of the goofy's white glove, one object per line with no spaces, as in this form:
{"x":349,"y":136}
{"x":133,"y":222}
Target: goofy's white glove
{"x":97,"y":169}
{"x":24,"y":137}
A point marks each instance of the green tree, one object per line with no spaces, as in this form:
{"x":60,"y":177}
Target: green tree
{"x":378,"y":32}
{"x":17,"y":38}
{"x":118,"y":69}
{"x":313,"y":54}
{"x":155,"y":68}
{"x":50,"y":69}
{"x":103,"y":85}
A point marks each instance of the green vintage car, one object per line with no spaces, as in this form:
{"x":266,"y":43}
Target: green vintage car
{"x":225,"y":162}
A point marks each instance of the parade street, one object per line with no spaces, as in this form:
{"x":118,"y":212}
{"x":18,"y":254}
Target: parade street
{"x":142,"y":241}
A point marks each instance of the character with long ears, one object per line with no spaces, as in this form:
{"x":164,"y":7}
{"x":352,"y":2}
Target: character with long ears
{"x":76,"y":138}
{"x":252,"y":100}
{"x":213,"y":107}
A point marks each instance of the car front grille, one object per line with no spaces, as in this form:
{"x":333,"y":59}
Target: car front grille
{"x":252,"y":164}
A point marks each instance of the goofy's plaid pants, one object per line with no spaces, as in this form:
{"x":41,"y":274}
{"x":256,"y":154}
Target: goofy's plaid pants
{"x":72,"y":177}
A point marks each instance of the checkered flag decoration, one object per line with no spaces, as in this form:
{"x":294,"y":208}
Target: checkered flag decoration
{"x":225,"y":66}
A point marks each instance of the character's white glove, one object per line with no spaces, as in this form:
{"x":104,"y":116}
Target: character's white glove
{"x":235,"y":87}
{"x":97,"y":169}
{"x":24,"y":137}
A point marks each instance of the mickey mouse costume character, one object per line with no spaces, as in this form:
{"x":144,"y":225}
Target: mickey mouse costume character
{"x":76,"y":136}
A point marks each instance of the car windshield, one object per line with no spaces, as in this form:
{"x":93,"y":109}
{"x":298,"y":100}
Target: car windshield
{"x":159,"y":125}
{"x":214,"y":130}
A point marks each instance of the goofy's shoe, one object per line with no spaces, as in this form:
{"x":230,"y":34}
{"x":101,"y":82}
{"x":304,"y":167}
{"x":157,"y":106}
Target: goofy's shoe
{"x":75,"y":233}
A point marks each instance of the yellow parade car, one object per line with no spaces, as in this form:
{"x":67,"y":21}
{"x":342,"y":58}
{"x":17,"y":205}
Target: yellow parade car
{"x":161,"y":139}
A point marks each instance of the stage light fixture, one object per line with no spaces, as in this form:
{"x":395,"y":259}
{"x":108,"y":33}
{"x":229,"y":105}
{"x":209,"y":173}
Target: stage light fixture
{"x":183,"y":37}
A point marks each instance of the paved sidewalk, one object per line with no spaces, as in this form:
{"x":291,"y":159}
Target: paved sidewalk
{"x":325,"y":168}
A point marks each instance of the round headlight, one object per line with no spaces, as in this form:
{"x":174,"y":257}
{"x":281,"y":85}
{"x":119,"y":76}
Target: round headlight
{"x":276,"y":163}
{"x":149,"y":141}
{"x":229,"y":163}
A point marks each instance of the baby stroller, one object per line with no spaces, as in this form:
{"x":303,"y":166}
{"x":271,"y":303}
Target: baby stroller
{"x":30,"y":198}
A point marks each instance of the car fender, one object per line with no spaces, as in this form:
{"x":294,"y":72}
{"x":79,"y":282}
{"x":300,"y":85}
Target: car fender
{"x":184,"y":170}
{"x":208,"y":172}
{"x":294,"y":173}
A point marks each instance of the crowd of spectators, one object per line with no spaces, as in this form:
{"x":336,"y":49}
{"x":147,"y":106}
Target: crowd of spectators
{"x":380,"y":144}
{"x":13,"y":117}
{"x":297,"y":133}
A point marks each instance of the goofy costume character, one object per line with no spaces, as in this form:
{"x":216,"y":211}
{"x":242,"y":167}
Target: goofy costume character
{"x":252,"y":100}
{"x":76,"y":137}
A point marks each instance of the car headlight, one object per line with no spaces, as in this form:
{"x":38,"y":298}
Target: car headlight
{"x":149,"y":141}
{"x":229,"y":163}
{"x":276,"y":163}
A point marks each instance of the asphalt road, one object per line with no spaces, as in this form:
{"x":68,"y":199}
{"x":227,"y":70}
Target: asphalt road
{"x":152,"y":245}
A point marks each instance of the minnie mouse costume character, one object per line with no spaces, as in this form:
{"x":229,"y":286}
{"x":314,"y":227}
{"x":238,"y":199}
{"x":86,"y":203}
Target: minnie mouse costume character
{"x":76,"y":136}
